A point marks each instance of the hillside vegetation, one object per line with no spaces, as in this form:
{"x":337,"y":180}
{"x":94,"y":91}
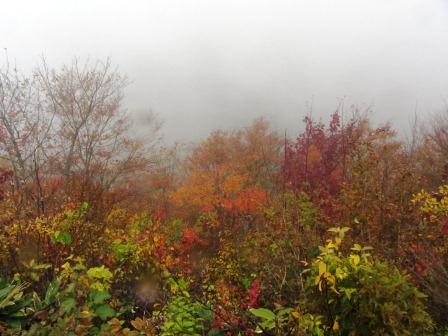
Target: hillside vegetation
{"x":341,"y":229}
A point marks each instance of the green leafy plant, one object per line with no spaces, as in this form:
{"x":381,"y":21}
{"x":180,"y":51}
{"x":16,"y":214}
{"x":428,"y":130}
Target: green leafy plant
{"x":274,"y":321}
{"x":13,"y":304}
{"x":356,"y":293}
{"x":76,"y":302}
{"x":183,"y":315}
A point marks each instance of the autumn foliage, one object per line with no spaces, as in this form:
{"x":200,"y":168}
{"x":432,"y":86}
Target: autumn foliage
{"x":339,"y":230}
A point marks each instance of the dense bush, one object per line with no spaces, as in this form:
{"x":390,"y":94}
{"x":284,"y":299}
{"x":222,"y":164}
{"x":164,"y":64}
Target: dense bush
{"x":351,"y":294}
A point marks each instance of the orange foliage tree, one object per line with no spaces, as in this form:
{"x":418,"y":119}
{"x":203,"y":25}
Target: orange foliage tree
{"x":231,"y":173}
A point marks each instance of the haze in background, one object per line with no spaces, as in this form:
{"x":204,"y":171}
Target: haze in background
{"x":202,"y":65}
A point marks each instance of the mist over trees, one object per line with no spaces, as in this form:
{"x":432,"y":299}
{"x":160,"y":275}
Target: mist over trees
{"x":340,"y":229}
{"x":67,"y":127}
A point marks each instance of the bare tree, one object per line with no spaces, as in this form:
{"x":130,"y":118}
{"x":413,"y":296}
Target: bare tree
{"x":25,"y":130}
{"x":68,"y":124}
{"x":92,"y":129}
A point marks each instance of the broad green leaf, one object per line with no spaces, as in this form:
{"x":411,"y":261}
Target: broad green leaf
{"x":64,"y":238}
{"x":67,"y":305}
{"x":263,"y":313}
{"x":104,"y":312}
{"x":322,"y":267}
{"x":99,"y":296}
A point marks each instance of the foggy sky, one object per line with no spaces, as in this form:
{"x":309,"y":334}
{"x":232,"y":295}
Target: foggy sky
{"x":202,"y":65}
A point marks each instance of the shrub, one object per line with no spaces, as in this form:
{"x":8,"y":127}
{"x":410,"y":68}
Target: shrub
{"x":352,"y":294}
{"x":13,"y":305}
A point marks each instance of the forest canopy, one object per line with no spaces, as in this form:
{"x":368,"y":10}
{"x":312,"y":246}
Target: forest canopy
{"x":341,"y":229}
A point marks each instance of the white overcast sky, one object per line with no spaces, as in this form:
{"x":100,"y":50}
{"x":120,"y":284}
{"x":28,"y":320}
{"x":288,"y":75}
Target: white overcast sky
{"x":202,"y":65}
